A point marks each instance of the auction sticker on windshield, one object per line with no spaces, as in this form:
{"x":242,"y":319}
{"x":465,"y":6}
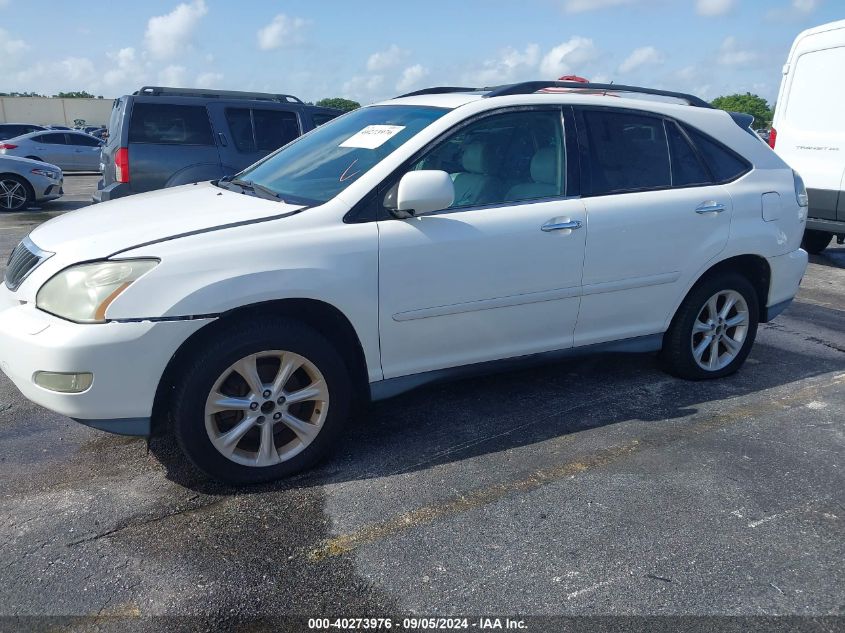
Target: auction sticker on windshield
{"x":372,"y":136}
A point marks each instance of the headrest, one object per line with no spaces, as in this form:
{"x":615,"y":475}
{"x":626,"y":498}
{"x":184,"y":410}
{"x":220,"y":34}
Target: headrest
{"x":477,"y":159}
{"x":544,"y":166}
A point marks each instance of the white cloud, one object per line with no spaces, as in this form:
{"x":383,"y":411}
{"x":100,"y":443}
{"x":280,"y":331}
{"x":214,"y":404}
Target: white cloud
{"x":645,"y":56}
{"x":581,"y":6}
{"x":510,"y":65}
{"x":384,"y":60}
{"x":208,"y":80}
{"x":797,"y":9}
{"x":805,"y":6}
{"x":281,"y":31}
{"x":77,"y":69}
{"x":127,"y":66}
{"x":172,"y":76}
{"x":364,"y":88}
{"x":568,"y":58}
{"x":411,"y":77}
{"x":167,"y":35}
{"x":10,"y":48}
{"x":730,"y":54}
{"x":712,"y":8}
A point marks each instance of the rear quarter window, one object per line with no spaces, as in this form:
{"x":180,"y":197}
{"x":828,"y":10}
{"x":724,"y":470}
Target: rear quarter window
{"x":170,"y":124}
{"x":724,"y":164}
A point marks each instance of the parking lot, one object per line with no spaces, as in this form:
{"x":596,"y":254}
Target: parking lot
{"x":598,"y":485}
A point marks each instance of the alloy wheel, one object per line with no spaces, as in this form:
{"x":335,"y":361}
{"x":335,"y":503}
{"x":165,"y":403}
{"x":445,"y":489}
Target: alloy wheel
{"x":12,"y":195}
{"x":266,"y":408}
{"x":719,"y":330}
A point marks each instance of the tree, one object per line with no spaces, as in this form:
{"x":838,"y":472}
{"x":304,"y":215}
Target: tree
{"x":340,"y":103}
{"x":748,"y":103}
{"x":76,"y":94}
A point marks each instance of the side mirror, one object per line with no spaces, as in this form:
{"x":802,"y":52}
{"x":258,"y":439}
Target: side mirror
{"x":424,"y":191}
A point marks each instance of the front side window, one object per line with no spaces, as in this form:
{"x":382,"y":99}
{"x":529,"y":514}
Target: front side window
{"x":170,"y":124}
{"x":316,"y":167}
{"x":627,"y":152}
{"x":503,"y":158}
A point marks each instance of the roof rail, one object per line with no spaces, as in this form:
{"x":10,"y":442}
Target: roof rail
{"x":529,"y":87}
{"x":437,"y":90}
{"x":158,"y":91}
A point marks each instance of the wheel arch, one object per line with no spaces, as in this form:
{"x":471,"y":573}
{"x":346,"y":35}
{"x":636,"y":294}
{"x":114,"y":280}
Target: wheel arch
{"x":755,"y":268}
{"x":323,"y":317}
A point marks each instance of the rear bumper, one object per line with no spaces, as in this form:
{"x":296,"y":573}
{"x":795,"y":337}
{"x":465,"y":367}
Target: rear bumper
{"x":113,"y":191}
{"x":787,"y":271}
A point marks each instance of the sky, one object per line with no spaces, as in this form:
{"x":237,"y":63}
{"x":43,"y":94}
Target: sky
{"x":374,"y":49}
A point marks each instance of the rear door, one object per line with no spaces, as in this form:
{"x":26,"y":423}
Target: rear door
{"x":52,"y":147}
{"x":810,"y":133}
{"x":247,"y":133}
{"x":655,"y":217}
{"x":170,"y":143}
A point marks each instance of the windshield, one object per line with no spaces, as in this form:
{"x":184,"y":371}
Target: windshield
{"x":318,"y":166}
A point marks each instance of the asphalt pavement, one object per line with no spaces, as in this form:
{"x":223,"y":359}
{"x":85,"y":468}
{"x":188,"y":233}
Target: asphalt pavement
{"x":595,"y":486}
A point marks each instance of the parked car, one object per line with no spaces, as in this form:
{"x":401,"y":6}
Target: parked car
{"x":25,"y":182}
{"x":11,"y":130}
{"x":71,"y":150}
{"x":100,"y":133}
{"x":438,"y":234}
{"x":163,"y":137}
{"x":808,"y":131}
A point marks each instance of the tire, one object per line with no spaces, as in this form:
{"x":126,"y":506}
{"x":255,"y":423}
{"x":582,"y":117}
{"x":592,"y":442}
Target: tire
{"x":16,"y":193}
{"x":733,"y":343}
{"x":815,"y":241}
{"x":200,"y":427}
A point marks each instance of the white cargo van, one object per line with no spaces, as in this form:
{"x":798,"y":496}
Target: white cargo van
{"x":808,"y":130}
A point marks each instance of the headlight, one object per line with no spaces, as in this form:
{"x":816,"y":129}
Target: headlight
{"x":46,"y":173}
{"x":82,"y":293}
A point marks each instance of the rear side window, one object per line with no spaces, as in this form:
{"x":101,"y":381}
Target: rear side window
{"x":52,"y":139}
{"x":723,"y":163}
{"x":261,"y":130}
{"x":686,"y":167}
{"x":170,"y":124}
{"x":627,"y":152}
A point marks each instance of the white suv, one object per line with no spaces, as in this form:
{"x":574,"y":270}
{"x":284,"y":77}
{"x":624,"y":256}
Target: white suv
{"x":413,"y":240}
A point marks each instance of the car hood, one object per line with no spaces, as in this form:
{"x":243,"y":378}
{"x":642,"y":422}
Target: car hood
{"x":25,"y":163}
{"x":104,"y":229}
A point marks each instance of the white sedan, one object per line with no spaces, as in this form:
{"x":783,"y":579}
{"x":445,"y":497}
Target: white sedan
{"x":70,"y":150}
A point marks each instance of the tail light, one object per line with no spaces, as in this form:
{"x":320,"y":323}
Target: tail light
{"x":800,"y":190}
{"x":121,"y":165}
{"x":7,"y":146}
{"x":773,"y":137}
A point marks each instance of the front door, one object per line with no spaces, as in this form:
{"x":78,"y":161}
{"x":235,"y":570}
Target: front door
{"x":498,"y":274}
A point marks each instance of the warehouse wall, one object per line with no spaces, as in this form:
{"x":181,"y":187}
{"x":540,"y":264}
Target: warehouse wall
{"x":54,"y":111}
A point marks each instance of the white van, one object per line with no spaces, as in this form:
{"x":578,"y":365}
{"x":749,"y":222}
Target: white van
{"x":808,"y":130}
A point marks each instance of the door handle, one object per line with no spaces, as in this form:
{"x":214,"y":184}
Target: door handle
{"x":710,"y":206}
{"x":222,"y":138}
{"x":551,"y":225}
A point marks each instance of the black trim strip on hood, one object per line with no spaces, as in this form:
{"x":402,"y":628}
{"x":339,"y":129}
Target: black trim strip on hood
{"x":210,"y":229}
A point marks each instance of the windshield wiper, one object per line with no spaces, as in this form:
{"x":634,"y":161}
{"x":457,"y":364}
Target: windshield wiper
{"x":259,"y":190}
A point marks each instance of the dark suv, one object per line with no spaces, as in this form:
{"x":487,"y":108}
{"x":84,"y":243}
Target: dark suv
{"x":163,"y":137}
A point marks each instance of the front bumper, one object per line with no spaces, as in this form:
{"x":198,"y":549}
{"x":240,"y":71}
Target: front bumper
{"x":787,"y":271}
{"x":126,"y":359}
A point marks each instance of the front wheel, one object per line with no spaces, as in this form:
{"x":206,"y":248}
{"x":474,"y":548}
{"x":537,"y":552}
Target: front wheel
{"x":713,"y":330}
{"x":266,"y":399}
{"x":815,"y":241}
{"x":15,"y":193}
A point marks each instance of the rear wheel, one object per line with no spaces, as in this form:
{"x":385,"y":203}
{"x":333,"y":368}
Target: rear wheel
{"x":15,"y":193}
{"x":713,"y":330}
{"x":267,"y":399}
{"x":815,"y":241}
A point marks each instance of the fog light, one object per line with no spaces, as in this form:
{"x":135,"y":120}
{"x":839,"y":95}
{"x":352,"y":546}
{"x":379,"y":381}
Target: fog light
{"x":63,"y":382}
